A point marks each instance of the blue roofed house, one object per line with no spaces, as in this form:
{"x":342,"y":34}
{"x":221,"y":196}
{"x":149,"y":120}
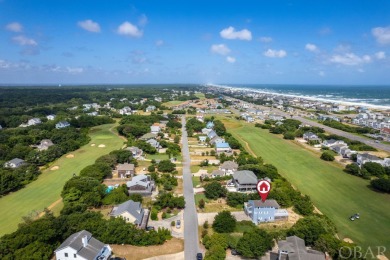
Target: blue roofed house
{"x":210,"y":125}
{"x":82,"y":245}
{"x":267,"y":211}
{"x":222,"y":148}
{"x":62,"y":124}
{"x":130,"y":211}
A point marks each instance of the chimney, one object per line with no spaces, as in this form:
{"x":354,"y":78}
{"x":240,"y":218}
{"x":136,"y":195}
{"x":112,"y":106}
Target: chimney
{"x":85,"y":240}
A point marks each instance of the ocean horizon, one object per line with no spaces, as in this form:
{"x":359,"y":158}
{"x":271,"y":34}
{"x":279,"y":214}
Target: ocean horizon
{"x":364,"y":95}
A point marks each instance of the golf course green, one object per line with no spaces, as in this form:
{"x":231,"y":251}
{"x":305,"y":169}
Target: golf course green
{"x":46,"y":190}
{"x":335,"y":193}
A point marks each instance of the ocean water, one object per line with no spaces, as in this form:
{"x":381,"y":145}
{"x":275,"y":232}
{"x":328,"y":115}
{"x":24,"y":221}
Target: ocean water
{"x":359,"y":95}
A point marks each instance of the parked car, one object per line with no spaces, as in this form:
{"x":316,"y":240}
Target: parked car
{"x":199,"y":256}
{"x":149,"y":228}
{"x":178,"y":223}
{"x":234,"y":252}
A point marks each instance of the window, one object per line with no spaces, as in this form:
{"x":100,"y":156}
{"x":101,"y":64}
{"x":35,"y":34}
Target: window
{"x":66,"y":254}
{"x":74,"y":255}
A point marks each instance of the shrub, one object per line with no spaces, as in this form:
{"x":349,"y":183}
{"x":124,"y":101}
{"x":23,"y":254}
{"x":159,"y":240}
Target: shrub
{"x":224,"y":222}
{"x":327,"y":156}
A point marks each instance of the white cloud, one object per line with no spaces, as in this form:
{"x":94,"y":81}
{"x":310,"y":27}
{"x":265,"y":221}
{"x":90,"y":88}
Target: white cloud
{"x":231,"y":34}
{"x":266,"y":39}
{"x":382,"y":34}
{"x":14,"y":27}
{"x":159,"y":43}
{"x":89,"y":26}
{"x":129,"y":29}
{"x":23,"y":40}
{"x":350,"y":59}
{"x":380,"y":55}
{"x":230,"y":59}
{"x":143,"y":20}
{"x":275,"y":53}
{"x":74,"y":70}
{"x":221,"y":49}
{"x":311,"y":47}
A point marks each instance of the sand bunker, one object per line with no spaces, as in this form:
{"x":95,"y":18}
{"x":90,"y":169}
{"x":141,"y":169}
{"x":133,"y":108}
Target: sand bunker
{"x":101,"y":145}
{"x":348,"y":240}
{"x":93,"y":144}
{"x":70,"y":156}
{"x":54,"y":168}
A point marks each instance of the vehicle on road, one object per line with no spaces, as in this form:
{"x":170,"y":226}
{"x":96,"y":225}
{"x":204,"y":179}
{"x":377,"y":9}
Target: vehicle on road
{"x":149,"y":228}
{"x":199,"y":256}
{"x":178,"y":223}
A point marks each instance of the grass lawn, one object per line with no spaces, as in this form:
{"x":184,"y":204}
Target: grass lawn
{"x":196,"y":168}
{"x":157,"y":156}
{"x":335,"y":193}
{"x":200,"y":95}
{"x":173,"y":103}
{"x":196,"y":180}
{"x":174,"y":245}
{"x":47,"y":189}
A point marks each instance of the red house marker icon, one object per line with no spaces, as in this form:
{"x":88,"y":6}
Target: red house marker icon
{"x":263,"y":188}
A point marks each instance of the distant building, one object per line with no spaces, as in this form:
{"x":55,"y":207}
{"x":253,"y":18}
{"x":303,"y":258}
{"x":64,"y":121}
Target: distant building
{"x":34,"y":121}
{"x":125,"y":170}
{"x":309,"y":136}
{"x":82,"y":245}
{"x":14,"y":163}
{"x":222,"y":148}
{"x":329,"y":143}
{"x":148,"y":136}
{"x":202,"y":138}
{"x":62,"y":124}
{"x":228,"y":167}
{"x":130,"y":211}
{"x":154,"y":143}
{"x":51,"y":117}
{"x":150,"y":108}
{"x":125,"y":111}
{"x":154,"y":129}
{"x":294,"y":248}
{"x":136,"y":152}
{"x":210,"y":125}
{"x":267,"y":211}
{"x":361,"y":159}
{"x":141,"y":184}
{"x":44,"y":144}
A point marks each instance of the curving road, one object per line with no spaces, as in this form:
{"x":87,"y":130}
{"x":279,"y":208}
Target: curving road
{"x":191,"y":246}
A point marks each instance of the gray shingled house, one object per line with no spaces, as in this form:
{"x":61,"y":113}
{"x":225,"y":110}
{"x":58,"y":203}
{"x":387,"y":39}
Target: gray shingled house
{"x":130,"y":211}
{"x":293,"y":248}
{"x":82,"y":245}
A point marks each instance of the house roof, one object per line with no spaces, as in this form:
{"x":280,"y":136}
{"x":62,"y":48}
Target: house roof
{"x":125,"y":167}
{"x":75,"y":241}
{"x":141,"y":180}
{"x":265,"y":204}
{"x":218,"y":173}
{"x":222,"y":145}
{"x":296,"y":249}
{"x":148,"y":136}
{"x":229,"y":165}
{"x":16,"y":161}
{"x":245,"y":177}
{"x":132,"y":207}
{"x":368,"y":156}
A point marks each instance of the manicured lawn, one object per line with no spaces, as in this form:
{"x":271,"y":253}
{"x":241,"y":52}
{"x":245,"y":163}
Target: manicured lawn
{"x":200,"y":95}
{"x":47,"y":189}
{"x":335,"y":193}
{"x":196,"y":168}
{"x":195,"y":180}
{"x":173,"y":103}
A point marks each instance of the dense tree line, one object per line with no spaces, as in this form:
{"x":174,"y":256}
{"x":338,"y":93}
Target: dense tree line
{"x":346,"y":128}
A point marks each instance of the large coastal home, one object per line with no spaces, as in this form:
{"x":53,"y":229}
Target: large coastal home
{"x":140,"y":184}
{"x":82,"y":245}
{"x":293,"y":248}
{"x":267,"y":211}
{"x":216,"y":139}
{"x":243,"y":181}
{"x":130,"y":211}
{"x":154,"y":143}
{"x":311,"y":137}
{"x":14,"y":163}
{"x":62,"y":124}
{"x":155,"y":129}
{"x":150,"y":108}
{"x":125,"y":170}
{"x":228,"y":167}
{"x":135,"y":151}
{"x":44,"y":144}
{"x":329,"y":143}
{"x":125,"y":111}
{"x":361,"y":159}
{"x":222,"y":148}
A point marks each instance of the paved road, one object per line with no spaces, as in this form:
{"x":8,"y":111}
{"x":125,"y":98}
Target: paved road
{"x":379,"y":146}
{"x":191,"y":246}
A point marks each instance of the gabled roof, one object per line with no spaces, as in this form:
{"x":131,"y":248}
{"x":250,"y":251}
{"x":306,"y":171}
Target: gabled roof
{"x":148,"y":136}
{"x":131,"y":207}
{"x":125,"y":167}
{"x":218,"y":173}
{"x":222,"y":145}
{"x":229,"y":165}
{"x":92,"y":249}
{"x":296,"y":249}
{"x":16,"y":161}
{"x":265,"y":204}
{"x":245,"y":177}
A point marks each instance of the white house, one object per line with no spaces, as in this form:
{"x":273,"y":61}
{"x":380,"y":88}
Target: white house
{"x":228,"y":167}
{"x":155,"y":129}
{"x":130,"y":211}
{"x":51,"y":117}
{"x":125,"y":111}
{"x":150,"y":108}
{"x":34,"y":121}
{"x":14,"y":163}
{"x":82,"y":245}
{"x":62,"y":124}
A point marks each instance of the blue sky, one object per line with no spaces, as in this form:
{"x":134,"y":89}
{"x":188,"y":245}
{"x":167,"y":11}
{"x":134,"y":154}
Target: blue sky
{"x":149,"y":41}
